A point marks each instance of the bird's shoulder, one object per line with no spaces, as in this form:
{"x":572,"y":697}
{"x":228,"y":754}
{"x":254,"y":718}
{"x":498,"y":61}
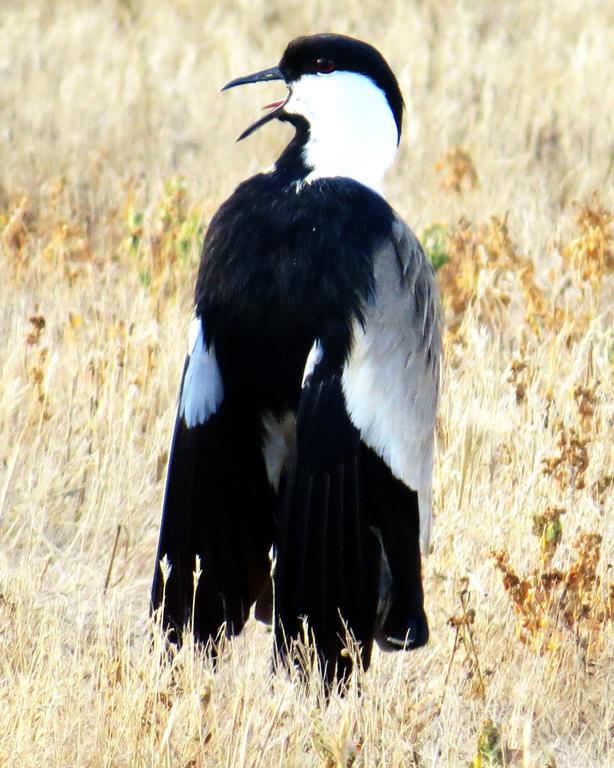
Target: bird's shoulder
{"x":274,"y":225}
{"x":405,"y":249}
{"x":278,"y":198}
{"x":403,"y":273}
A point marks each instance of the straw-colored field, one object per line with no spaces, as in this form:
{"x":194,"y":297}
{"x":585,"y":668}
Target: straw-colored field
{"x":115,"y":150}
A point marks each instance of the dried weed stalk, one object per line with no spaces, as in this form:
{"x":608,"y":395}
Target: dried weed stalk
{"x":551,"y":603}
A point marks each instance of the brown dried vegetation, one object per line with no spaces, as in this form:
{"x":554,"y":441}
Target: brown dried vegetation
{"x":116,"y":151}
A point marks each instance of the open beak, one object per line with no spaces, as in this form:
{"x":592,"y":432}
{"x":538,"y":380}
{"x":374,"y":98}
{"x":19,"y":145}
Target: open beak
{"x":273,"y":73}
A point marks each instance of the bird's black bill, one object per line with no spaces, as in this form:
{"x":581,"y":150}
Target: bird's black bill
{"x":273,"y":73}
{"x":254,"y":126}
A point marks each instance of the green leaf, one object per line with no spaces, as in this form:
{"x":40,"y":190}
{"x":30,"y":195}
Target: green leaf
{"x":144,"y":277}
{"x":434,"y":241}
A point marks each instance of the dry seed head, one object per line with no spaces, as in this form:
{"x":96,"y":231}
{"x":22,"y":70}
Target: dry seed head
{"x":591,"y":253}
{"x":459,"y":171}
{"x":38,"y":324}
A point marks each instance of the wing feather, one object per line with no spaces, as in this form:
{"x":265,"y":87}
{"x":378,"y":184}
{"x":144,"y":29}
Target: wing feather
{"x":218,"y":505}
{"x":391,"y":379}
{"x":327,"y":566}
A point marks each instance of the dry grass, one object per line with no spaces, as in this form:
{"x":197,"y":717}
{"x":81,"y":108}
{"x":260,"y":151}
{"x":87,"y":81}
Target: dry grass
{"x":104,"y":106}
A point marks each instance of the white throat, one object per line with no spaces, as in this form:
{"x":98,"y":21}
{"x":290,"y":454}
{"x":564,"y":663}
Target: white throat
{"x":353,"y":132}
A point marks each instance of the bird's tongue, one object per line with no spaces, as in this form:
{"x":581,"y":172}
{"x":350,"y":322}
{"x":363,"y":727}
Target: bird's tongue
{"x":274,"y":104}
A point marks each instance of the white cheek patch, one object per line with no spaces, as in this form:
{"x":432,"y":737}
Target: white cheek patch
{"x":352,"y":133}
{"x":202,"y":391}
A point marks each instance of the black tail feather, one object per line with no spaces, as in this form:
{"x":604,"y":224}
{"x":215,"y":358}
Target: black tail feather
{"x":395,"y":513}
{"x":327,"y":568}
{"x":218,"y":506}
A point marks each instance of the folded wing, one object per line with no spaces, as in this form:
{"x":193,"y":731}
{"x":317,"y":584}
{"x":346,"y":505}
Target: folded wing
{"x":391,"y":380}
{"x":358,"y":496}
{"x":218,"y":505}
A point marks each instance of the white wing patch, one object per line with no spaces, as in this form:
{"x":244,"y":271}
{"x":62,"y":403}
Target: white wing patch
{"x":313,"y":358}
{"x":391,"y":380}
{"x":202,"y":391}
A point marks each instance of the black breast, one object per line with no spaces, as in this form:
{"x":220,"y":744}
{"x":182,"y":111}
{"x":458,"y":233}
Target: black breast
{"x":283,"y":265}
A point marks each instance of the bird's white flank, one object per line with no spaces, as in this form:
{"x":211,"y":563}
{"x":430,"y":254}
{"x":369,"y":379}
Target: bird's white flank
{"x":313,"y":358}
{"x":202,"y":391}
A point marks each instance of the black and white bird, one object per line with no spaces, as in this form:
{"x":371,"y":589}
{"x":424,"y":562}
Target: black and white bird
{"x":305,"y":420}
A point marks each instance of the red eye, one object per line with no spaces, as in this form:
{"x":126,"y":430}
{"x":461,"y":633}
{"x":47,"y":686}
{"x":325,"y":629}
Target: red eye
{"x":325,"y":66}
